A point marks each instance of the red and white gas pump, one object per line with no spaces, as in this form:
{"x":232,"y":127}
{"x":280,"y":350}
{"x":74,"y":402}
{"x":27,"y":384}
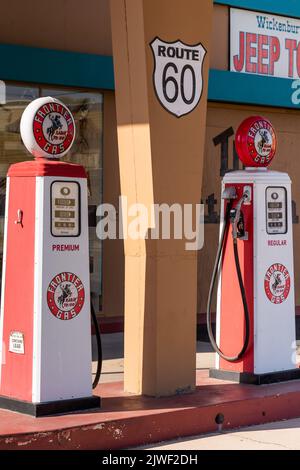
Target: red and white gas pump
{"x":45,"y":331}
{"x":255,"y":324}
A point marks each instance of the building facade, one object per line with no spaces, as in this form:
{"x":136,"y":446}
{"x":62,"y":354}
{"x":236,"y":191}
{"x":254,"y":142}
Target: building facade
{"x":64,"y":50}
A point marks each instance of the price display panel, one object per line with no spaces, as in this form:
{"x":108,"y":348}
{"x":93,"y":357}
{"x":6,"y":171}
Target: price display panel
{"x":276,"y":203}
{"x":65,"y":209}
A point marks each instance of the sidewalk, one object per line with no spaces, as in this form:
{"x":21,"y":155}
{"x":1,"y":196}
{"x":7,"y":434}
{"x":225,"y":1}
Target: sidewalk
{"x":282,"y":435}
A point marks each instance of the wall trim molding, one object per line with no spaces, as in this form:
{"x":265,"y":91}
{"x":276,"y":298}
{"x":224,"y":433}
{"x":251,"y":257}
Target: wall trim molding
{"x":277,"y":7}
{"x":54,"y":67}
{"x":243,"y":88}
{"x":37,"y":65}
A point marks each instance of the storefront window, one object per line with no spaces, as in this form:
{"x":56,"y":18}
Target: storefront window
{"x":87,"y":109}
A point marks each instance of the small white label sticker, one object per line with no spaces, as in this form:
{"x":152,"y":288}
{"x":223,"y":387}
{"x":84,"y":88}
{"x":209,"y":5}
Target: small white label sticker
{"x":16,"y":342}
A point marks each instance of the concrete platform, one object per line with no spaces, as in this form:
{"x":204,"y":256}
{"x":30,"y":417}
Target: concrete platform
{"x":126,"y":420}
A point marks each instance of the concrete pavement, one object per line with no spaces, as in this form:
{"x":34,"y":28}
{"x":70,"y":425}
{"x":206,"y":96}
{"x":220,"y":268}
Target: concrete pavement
{"x":283,"y":435}
{"x":113,"y":357}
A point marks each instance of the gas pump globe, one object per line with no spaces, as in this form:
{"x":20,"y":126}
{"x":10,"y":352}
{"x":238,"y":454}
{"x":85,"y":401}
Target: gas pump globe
{"x":255,"y":325}
{"x":45,"y":331}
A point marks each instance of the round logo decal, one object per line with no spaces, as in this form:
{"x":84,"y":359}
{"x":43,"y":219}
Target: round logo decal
{"x":65,"y":296}
{"x":277,"y":283}
{"x":256,"y":142}
{"x":54,"y":128}
{"x":262,"y":140}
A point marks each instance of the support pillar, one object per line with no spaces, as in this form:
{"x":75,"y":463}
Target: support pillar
{"x":161,"y":161}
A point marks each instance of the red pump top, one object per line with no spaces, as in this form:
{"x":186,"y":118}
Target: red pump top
{"x":44,"y":167}
{"x":256,"y":142}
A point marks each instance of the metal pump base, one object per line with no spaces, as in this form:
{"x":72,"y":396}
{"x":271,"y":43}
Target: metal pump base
{"x":50,"y":408}
{"x":255,"y":379}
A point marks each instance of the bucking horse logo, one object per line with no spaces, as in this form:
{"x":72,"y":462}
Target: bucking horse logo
{"x":264,"y":140}
{"x":66,"y":292}
{"x":56,"y":125}
{"x":277,"y":282}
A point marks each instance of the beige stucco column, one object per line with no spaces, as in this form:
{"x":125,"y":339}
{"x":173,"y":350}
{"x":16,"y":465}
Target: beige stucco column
{"x":161,"y":161}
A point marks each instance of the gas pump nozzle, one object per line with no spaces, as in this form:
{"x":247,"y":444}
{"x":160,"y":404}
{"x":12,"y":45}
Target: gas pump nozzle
{"x":235,"y":216}
{"x":237,"y":219}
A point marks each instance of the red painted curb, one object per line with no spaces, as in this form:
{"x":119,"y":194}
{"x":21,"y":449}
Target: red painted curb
{"x":127,"y":421}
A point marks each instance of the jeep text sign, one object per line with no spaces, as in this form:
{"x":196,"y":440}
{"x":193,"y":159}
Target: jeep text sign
{"x":177,"y":75}
{"x":264,"y":44}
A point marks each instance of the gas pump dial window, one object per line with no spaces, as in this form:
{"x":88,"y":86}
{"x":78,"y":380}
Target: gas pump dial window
{"x":276,"y":209}
{"x":65,"y":209}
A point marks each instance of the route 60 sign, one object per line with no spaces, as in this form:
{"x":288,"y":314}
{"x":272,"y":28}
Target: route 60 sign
{"x":177,"y":76}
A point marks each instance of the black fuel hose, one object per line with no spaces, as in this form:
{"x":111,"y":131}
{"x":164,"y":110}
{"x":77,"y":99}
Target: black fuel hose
{"x":99,"y":347}
{"x":242,"y":289}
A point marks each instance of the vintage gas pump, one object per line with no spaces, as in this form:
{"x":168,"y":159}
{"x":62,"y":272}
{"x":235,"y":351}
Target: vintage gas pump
{"x":45,"y":331}
{"x":255,"y":325}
